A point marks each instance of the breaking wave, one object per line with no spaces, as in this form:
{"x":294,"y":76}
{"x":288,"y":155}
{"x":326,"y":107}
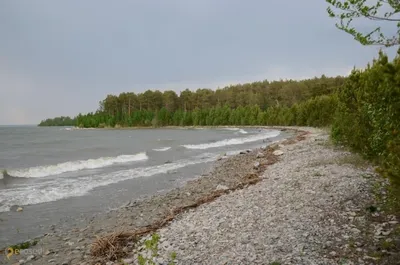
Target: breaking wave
{"x":56,"y":189}
{"x":234,"y":141}
{"x":49,"y":170}
{"x":162,"y":149}
{"x":242,"y":131}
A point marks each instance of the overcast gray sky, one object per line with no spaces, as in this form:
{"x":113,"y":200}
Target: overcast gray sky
{"x":63,"y":57}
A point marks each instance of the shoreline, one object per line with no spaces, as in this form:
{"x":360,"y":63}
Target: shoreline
{"x":76,"y":246}
{"x":143,"y":212}
{"x":176,"y":127}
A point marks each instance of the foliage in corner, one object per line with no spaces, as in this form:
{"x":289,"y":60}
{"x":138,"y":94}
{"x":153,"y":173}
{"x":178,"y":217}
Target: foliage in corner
{"x":382,"y":11}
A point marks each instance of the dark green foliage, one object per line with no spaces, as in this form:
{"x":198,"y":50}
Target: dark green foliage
{"x":259,"y":103}
{"x":58,"y":121}
{"x":368,"y":115}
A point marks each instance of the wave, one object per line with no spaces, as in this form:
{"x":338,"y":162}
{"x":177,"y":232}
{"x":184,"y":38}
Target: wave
{"x":234,"y":141}
{"x":237,"y":130}
{"x":162,"y":149}
{"x":56,"y":189}
{"x":49,"y":170}
{"x":242,"y":131}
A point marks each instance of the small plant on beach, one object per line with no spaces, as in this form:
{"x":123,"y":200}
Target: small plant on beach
{"x":152,"y":246}
{"x":25,"y":245}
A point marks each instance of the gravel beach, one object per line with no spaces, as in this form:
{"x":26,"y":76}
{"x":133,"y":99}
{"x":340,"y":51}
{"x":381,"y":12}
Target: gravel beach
{"x":309,"y":205}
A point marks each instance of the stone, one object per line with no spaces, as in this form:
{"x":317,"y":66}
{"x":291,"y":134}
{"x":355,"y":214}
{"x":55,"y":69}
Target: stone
{"x":20,"y":209}
{"x":30,"y":257}
{"x":221,"y":187}
{"x":277,"y":153}
{"x":128,"y":261}
{"x":256,"y":165}
{"x":260,"y":155}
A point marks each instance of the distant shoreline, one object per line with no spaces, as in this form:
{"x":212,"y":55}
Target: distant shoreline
{"x":283,"y":128}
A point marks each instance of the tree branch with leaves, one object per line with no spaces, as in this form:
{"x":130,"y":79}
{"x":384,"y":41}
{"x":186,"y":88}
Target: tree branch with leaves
{"x":382,"y":10}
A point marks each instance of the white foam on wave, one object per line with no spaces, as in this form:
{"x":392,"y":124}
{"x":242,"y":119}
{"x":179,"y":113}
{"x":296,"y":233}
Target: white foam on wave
{"x":161,"y":149}
{"x":242,"y":131}
{"x":234,"y":141}
{"x":56,"y":189}
{"x":50,"y":170}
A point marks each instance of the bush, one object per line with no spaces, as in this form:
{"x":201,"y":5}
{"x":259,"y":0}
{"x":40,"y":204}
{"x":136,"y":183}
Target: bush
{"x":368,"y":115}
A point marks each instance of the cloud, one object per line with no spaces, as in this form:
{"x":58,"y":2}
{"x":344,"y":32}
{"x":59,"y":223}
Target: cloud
{"x":61,"y":58}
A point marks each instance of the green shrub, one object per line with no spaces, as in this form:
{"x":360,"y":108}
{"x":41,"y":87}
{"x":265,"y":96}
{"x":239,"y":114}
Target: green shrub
{"x":367,"y":117}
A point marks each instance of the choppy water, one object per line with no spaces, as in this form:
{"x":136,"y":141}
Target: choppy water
{"x":89,"y":170}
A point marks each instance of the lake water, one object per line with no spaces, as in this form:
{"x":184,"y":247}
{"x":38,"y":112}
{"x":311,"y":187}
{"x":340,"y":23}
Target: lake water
{"x":60,"y":173}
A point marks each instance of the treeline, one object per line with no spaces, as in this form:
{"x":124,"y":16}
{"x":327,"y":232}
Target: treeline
{"x":317,"y":111}
{"x":248,"y":104}
{"x":58,"y":121}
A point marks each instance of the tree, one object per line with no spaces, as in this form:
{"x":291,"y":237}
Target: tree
{"x":381,"y":11}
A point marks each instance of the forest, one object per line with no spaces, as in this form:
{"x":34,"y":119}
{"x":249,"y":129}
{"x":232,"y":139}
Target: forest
{"x":258,"y":103}
{"x":58,"y":121}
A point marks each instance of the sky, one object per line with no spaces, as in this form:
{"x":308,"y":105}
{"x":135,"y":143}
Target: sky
{"x":63,"y":57}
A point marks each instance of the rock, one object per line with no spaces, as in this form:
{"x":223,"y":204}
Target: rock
{"x":47,"y":252}
{"x":168,"y":162}
{"x":332,"y":253}
{"x":256,"y":165}
{"x":21,"y":261}
{"x":386,"y":233}
{"x":248,"y":151}
{"x":278,"y":152}
{"x":20,"y":209}
{"x":128,"y":261}
{"x":30,"y":257}
{"x":242,"y":153}
{"x":221,"y":187}
{"x":260,"y":155}
{"x":69,"y":243}
{"x":51,"y":261}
